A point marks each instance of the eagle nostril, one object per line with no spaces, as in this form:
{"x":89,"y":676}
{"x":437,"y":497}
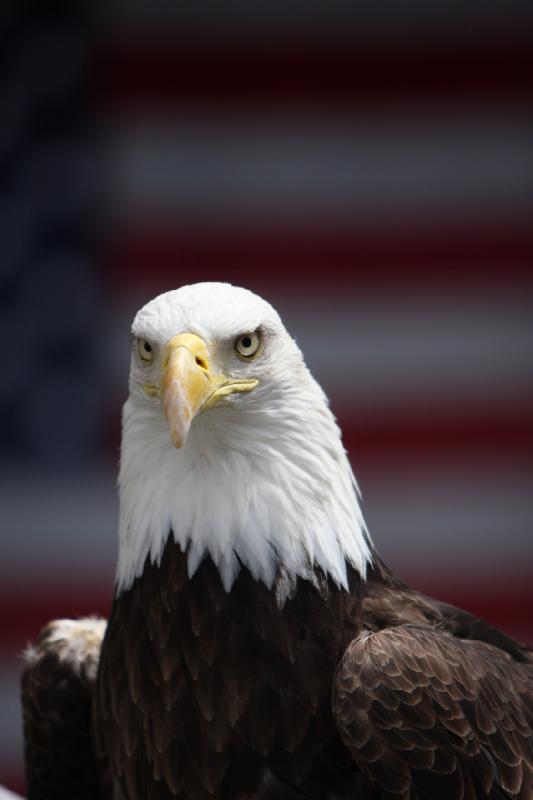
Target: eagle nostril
{"x":201,"y":363}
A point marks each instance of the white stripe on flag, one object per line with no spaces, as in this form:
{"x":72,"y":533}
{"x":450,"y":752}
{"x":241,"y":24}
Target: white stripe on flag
{"x":194,"y":168}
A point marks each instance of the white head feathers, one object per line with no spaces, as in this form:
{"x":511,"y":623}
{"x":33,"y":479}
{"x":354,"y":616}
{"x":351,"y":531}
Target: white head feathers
{"x":263,"y":478}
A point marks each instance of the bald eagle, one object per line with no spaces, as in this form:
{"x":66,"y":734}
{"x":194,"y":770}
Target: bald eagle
{"x":257,"y":647}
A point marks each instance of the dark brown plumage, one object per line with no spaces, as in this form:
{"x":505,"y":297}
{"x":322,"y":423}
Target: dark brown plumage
{"x":57,"y":706}
{"x":203,"y":693}
{"x":427,"y":715}
{"x":375,"y":693}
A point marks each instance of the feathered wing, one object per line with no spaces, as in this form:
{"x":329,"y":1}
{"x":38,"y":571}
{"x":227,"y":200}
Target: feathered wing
{"x":57,"y":689}
{"x":427,"y":715}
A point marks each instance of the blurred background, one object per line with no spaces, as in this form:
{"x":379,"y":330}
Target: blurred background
{"x":367,"y":167}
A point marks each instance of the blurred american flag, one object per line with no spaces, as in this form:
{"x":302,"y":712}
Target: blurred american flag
{"x":365,"y":167}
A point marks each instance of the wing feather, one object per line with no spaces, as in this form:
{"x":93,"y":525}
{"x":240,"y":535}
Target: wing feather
{"x":425,"y":714}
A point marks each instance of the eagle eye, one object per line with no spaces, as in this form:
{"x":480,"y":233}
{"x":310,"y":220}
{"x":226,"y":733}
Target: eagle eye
{"x":248,"y":344}
{"x":145,"y":350}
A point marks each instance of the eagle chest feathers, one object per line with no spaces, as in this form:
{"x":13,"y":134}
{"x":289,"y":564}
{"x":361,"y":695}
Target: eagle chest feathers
{"x":209,"y":694}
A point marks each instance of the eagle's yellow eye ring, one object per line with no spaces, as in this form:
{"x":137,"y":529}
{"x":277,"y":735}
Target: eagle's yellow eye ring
{"x":145,"y":350}
{"x":248,"y":345}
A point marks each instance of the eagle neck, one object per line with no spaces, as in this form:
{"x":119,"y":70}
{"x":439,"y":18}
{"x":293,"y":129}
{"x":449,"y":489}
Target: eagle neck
{"x":252,"y":487}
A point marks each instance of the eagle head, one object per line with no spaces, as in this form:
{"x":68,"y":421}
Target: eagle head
{"x":229,"y":445}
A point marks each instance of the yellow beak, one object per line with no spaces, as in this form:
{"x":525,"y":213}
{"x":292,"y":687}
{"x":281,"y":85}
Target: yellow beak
{"x":188,"y":385}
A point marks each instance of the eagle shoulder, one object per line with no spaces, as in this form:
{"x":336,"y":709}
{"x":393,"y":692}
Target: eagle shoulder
{"x":425,"y":714}
{"x":56,"y":691}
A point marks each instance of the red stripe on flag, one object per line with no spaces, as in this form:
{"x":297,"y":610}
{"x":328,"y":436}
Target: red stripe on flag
{"x":265,"y":259}
{"x":471,"y":434}
{"x":503,"y":600}
{"x":346,"y":73}
{"x":31,"y":607}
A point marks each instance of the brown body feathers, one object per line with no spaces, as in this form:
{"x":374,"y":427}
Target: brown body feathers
{"x":373,"y":693}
